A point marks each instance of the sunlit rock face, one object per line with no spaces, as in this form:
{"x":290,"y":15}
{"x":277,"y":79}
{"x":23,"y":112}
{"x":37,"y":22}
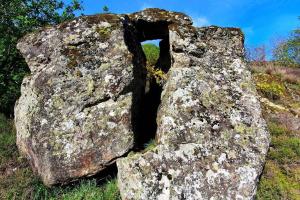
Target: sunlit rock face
{"x":212,"y":140}
{"x":74,"y":115}
{"x":80,"y":108}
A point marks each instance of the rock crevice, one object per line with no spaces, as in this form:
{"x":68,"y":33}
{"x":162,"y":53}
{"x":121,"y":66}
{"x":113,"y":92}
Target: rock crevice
{"x":86,"y":105}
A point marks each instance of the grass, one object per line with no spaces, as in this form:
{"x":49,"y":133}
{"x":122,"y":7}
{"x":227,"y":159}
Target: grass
{"x":7,"y":139}
{"x":285,"y":149}
{"x":17,"y":181}
{"x":281,"y":175}
{"x":276,"y":184}
{"x":150,"y":145}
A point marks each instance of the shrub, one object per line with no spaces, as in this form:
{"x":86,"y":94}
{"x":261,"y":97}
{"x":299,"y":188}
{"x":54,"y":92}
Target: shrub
{"x":19,"y":17}
{"x":270,"y":86}
{"x":151,"y":52}
{"x":288,"y":52}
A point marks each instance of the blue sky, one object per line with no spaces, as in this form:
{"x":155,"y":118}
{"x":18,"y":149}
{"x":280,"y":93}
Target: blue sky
{"x":262,"y":21}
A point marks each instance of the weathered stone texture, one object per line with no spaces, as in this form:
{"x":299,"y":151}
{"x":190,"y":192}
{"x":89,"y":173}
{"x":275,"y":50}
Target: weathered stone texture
{"x":74,"y":115}
{"x":78,"y":109}
{"x":212,"y":140}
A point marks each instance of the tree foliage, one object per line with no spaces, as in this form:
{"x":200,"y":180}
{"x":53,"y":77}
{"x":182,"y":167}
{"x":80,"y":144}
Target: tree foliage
{"x":18,"y":17}
{"x":151,"y":52}
{"x":288,"y":52}
{"x":105,"y":9}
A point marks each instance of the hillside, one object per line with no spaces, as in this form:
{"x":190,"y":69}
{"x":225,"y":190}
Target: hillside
{"x":279,"y":88}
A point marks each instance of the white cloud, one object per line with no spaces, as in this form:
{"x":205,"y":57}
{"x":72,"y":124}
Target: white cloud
{"x":200,"y":21}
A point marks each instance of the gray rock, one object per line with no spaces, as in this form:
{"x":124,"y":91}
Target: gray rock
{"x":212,"y":140}
{"x":84,"y":107}
{"x":74,"y":115}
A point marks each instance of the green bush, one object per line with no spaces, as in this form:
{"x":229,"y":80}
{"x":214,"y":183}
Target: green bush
{"x":270,"y":86}
{"x":19,"y":17}
{"x":151,"y":52}
{"x":288,"y":52}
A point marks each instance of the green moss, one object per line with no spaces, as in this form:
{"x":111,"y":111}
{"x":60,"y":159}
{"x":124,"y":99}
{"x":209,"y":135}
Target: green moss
{"x":104,"y":32}
{"x":285,"y":149}
{"x":150,"y":145}
{"x":276,"y":185}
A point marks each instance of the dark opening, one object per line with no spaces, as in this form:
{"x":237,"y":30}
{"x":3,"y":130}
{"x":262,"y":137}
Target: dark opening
{"x":151,"y":97}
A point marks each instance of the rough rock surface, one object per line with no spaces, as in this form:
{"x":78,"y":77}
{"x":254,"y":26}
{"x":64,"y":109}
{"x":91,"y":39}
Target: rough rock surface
{"x":74,"y":115}
{"x":212,"y":140}
{"x":80,"y":108}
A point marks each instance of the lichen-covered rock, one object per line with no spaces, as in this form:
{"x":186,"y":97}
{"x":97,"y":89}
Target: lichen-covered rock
{"x":74,"y":115}
{"x":212,"y":140}
{"x":82,"y":107}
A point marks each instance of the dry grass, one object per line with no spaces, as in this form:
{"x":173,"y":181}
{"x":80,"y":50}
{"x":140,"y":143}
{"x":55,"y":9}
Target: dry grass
{"x":288,"y":74}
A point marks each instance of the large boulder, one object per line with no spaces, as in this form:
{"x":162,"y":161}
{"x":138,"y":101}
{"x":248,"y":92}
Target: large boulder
{"x":212,"y":140}
{"x":74,"y":115}
{"x":89,"y":101}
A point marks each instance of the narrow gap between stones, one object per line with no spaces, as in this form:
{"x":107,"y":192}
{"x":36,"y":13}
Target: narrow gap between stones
{"x":156,"y":68}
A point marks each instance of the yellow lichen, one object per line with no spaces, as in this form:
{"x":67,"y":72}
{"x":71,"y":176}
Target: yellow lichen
{"x":104,"y":32}
{"x":90,"y":86}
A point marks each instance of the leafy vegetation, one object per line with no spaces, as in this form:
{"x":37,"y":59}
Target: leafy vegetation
{"x":18,"y":17}
{"x":152,"y":55}
{"x":288,"y":52}
{"x":151,"y":52}
{"x":270,"y":86}
{"x":150,"y":145}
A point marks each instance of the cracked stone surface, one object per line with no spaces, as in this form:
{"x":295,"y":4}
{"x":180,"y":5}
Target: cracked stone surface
{"x":74,"y":115}
{"x":77,"y":109}
{"x":212,"y":140}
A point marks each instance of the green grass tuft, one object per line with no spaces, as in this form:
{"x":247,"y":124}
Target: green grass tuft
{"x":8,"y":148}
{"x":150,"y":145}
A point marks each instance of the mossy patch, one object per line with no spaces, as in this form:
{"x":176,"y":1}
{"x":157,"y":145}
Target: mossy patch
{"x":270,"y":86}
{"x":285,"y":149}
{"x":104,"y":32}
{"x":150,"y":145}
{"x":275,"y":184}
